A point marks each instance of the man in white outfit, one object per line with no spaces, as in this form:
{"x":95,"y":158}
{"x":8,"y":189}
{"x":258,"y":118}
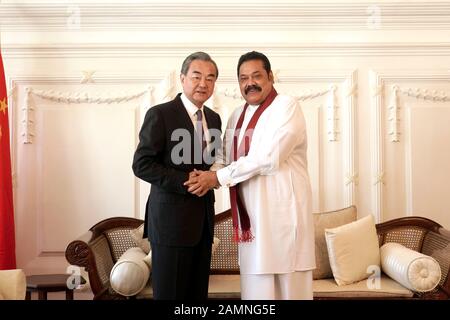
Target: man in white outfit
{"x":264,"y":163}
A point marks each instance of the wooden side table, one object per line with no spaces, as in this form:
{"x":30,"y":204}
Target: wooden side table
{"x":45,"y":283}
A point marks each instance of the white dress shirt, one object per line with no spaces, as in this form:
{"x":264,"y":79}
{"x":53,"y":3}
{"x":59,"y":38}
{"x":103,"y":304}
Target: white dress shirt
{"x":192,"y":111}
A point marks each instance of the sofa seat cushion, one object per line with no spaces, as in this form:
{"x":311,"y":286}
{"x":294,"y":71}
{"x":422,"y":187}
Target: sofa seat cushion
{"x":224,"y":286}
{"x":325,"y":288}
{"x":228,"y":286}
{"x":221,"y":286}
{"x":146,"y":293}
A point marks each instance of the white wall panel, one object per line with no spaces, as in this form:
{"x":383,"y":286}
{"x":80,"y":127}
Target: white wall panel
{"x":429,"y":173}
{"x":72,"y":161}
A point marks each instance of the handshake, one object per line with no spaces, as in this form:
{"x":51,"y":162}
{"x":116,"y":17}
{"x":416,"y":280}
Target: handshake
{"x":200,"y":182}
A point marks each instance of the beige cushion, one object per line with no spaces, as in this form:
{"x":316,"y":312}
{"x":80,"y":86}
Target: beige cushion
{"x":353,"y":248}
{"x":323,"y":220}
{"x":143,"y":243}
{"x":387,"y":288}
{"x":146,"y":293}
{"x":13,"y":284}
{"x":1,"y":296}
{"x":148,"y":260}
{"x":215,"y":245}
{"x":224,"y":286}
{"x":130,"y":274}
{"x":414,"y":270}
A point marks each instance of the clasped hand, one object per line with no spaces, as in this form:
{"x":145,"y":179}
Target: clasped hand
{"x":200,"y":182}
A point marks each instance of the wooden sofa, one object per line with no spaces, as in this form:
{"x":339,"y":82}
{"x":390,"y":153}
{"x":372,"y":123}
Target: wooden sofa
{"x":105,"y":242}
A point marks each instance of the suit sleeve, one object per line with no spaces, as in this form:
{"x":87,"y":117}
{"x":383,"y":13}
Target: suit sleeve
{"x":148,"y":162}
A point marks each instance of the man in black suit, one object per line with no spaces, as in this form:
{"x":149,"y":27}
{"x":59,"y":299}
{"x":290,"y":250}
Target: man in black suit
{"x":177,"y":138}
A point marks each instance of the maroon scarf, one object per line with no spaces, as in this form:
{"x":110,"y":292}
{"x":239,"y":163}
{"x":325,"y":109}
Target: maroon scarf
{"x":237,"y":205}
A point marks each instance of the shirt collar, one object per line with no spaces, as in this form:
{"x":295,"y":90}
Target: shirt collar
{"x":190,"y":107}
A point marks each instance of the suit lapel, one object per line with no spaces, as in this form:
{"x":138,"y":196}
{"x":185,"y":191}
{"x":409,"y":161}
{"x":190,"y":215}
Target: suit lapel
{"x":182,"y":116}
{"x":209,"y":118}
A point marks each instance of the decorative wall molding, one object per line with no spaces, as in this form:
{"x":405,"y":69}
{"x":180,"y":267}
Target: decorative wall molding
{"x":332,"y":114}
{"x":417,"y":93}
{"x":245,"y":15}
{"x":180,"y":50}
{"x":67,"y":98}
{"x":27,"y":119}
{"x":332,"y":105}
{"x":349,"y":138}
{"x":393,"y":118}
{"x":168,"y":89}
{"x":78,"y":97}
{"x":408,"y":169}
{"x":377,"y":148}
{"x":27,"y":111}
{"x":425,"y":94}
{"x":395,"y":78}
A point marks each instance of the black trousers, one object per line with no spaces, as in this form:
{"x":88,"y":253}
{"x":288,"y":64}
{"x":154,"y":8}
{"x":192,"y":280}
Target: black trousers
{"x":182,"y":273}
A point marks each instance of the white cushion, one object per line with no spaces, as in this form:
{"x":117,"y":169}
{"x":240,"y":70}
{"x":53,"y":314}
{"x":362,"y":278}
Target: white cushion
{"x":130,"y":273}
{"x":353,"y":250}
{"x":13,"y":284}
{"x":322,"y":221}
{"x":224,"y":286}
{"x":143,"y":243}
{"x":215,"y":245}
{"x":148,"y":260}
{"x":414,"y":270}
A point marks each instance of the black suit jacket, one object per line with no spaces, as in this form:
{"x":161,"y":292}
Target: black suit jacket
{"x":173,"y":216}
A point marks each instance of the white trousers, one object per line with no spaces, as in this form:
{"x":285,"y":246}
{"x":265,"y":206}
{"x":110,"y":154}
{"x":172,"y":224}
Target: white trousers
{"x":286,"y":286}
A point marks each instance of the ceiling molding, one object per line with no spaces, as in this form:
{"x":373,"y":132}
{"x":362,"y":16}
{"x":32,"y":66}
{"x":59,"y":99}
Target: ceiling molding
{"x":223,"y":15}
{"x":180,"y":50}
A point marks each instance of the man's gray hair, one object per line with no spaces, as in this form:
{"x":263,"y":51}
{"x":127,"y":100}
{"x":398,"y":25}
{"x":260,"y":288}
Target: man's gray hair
{"x":197,"y":56}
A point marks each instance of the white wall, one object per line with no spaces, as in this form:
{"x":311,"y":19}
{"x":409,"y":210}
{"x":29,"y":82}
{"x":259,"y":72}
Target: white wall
{"x":372,"y":81}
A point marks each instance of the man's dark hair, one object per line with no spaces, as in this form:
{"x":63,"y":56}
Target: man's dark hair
{"x":197,"y":56}
{"x":254,"y":55}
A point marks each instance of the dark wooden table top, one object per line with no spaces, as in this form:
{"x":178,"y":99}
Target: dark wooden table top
{"x":49,"y":281}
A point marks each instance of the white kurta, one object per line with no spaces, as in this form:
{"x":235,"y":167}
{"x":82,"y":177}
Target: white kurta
{"x":275,"y":187}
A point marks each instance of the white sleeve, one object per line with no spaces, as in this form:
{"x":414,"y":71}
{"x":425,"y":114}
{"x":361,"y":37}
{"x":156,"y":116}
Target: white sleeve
{"x":223,"y":154}
{"x":287,"y":130}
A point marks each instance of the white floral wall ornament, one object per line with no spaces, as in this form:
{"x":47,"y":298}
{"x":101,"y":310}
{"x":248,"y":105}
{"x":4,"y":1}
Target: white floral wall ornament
{"x":393,"y":115}
{"x":332,"y":114}
{"x":351,"y":178}
{"x":379,"y":178}
{"x":87,"y":76}
{"x":27,"y":118}
{"x":68,"y":98}
{"x":377,"y":90}
{"x":434,"y":96}
{"x":353,"y":91}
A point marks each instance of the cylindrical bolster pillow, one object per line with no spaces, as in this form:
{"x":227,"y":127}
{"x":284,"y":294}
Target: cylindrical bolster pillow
{"x":130,"y":273}
{"x":412,"y":269}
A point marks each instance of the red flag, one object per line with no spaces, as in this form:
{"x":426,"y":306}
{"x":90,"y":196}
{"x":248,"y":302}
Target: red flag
{"x":7,"y":234}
